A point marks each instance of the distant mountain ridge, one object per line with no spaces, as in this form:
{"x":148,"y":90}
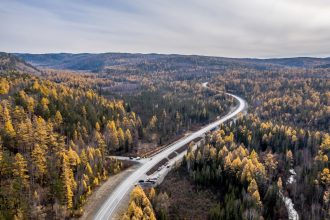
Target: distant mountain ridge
{"x":102,"y":61}
{"x":307,"y":62}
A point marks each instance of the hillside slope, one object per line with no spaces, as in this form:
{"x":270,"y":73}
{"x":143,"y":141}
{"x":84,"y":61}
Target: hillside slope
{"x":148,"y":62}
{"x":11,"y":62}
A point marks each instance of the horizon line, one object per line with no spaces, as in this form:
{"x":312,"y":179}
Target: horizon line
{"x":172,"y":54}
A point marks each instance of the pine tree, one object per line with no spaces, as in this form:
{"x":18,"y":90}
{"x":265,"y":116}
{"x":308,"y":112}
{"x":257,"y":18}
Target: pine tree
{"x":254,"y":192}
{"x":152,"y":123}
{"x":39,"y":162}
{"x":112,"y":136}
{"x":30,"y":102}
{"x":20,"y":170}
{"x":45,"y":110}
{"x":25,"y":137}
{"x":97,"y":127}
{"x":58,"y":120}
{"x":41,"y":135}
{"x":270,"y":164}
{"x":73,"y":157}
{"x":36,"y":85}
{"x":289,"y":157}
{"x":9,"y":130}
{"x":83,"y":157}
{"x":68,"y":182}
{"x":89,"y":170}
{"x":128,"y":139}
{"x":100,"y":143}
{"x":121,"y":137}
{"x":4,"y":86}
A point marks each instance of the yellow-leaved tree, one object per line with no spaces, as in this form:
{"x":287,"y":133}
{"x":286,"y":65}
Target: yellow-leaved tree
{"x":139,"y":206}
{"x":20,"y":171}
{"x":4,"y":86}
{"x":254,"y":192}
{"x":39,"y":162}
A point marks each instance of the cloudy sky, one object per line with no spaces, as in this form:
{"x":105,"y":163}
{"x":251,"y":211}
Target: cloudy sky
{"x":231,"y":28}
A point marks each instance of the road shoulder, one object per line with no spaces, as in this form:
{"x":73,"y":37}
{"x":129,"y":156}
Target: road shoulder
{"x":101,"y":194}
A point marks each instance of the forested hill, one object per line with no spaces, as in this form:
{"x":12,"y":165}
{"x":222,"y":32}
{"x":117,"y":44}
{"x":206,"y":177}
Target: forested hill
{"x":11,"y":62}
{"x":56,"y":132}
{"x":53,"y":143}
{"x":148,"y":62}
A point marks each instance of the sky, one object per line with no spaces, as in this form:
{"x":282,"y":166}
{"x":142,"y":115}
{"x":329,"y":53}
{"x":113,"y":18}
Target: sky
{"x":227,"y":28}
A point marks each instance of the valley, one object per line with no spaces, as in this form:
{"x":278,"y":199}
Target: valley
{"x":67,"y":130}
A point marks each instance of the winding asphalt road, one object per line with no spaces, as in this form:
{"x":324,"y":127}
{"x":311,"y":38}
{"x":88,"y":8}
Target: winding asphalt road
{"x":107,"y":210}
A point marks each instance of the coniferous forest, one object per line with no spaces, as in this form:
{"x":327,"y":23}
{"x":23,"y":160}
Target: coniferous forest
{"x":58,"y":128}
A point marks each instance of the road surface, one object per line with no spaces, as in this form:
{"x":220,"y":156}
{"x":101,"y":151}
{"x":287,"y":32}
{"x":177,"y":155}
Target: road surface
{"x":107,"y":210}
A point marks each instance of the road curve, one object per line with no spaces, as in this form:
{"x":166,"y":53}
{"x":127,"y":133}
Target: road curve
{"x":108,"y":208}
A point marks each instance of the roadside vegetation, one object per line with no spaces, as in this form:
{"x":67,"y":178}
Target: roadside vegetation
{"x":58,"y":127}
{"x":140,"y":206}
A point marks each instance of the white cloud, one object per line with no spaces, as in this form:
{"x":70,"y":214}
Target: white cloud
{"x":235,"y":28}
